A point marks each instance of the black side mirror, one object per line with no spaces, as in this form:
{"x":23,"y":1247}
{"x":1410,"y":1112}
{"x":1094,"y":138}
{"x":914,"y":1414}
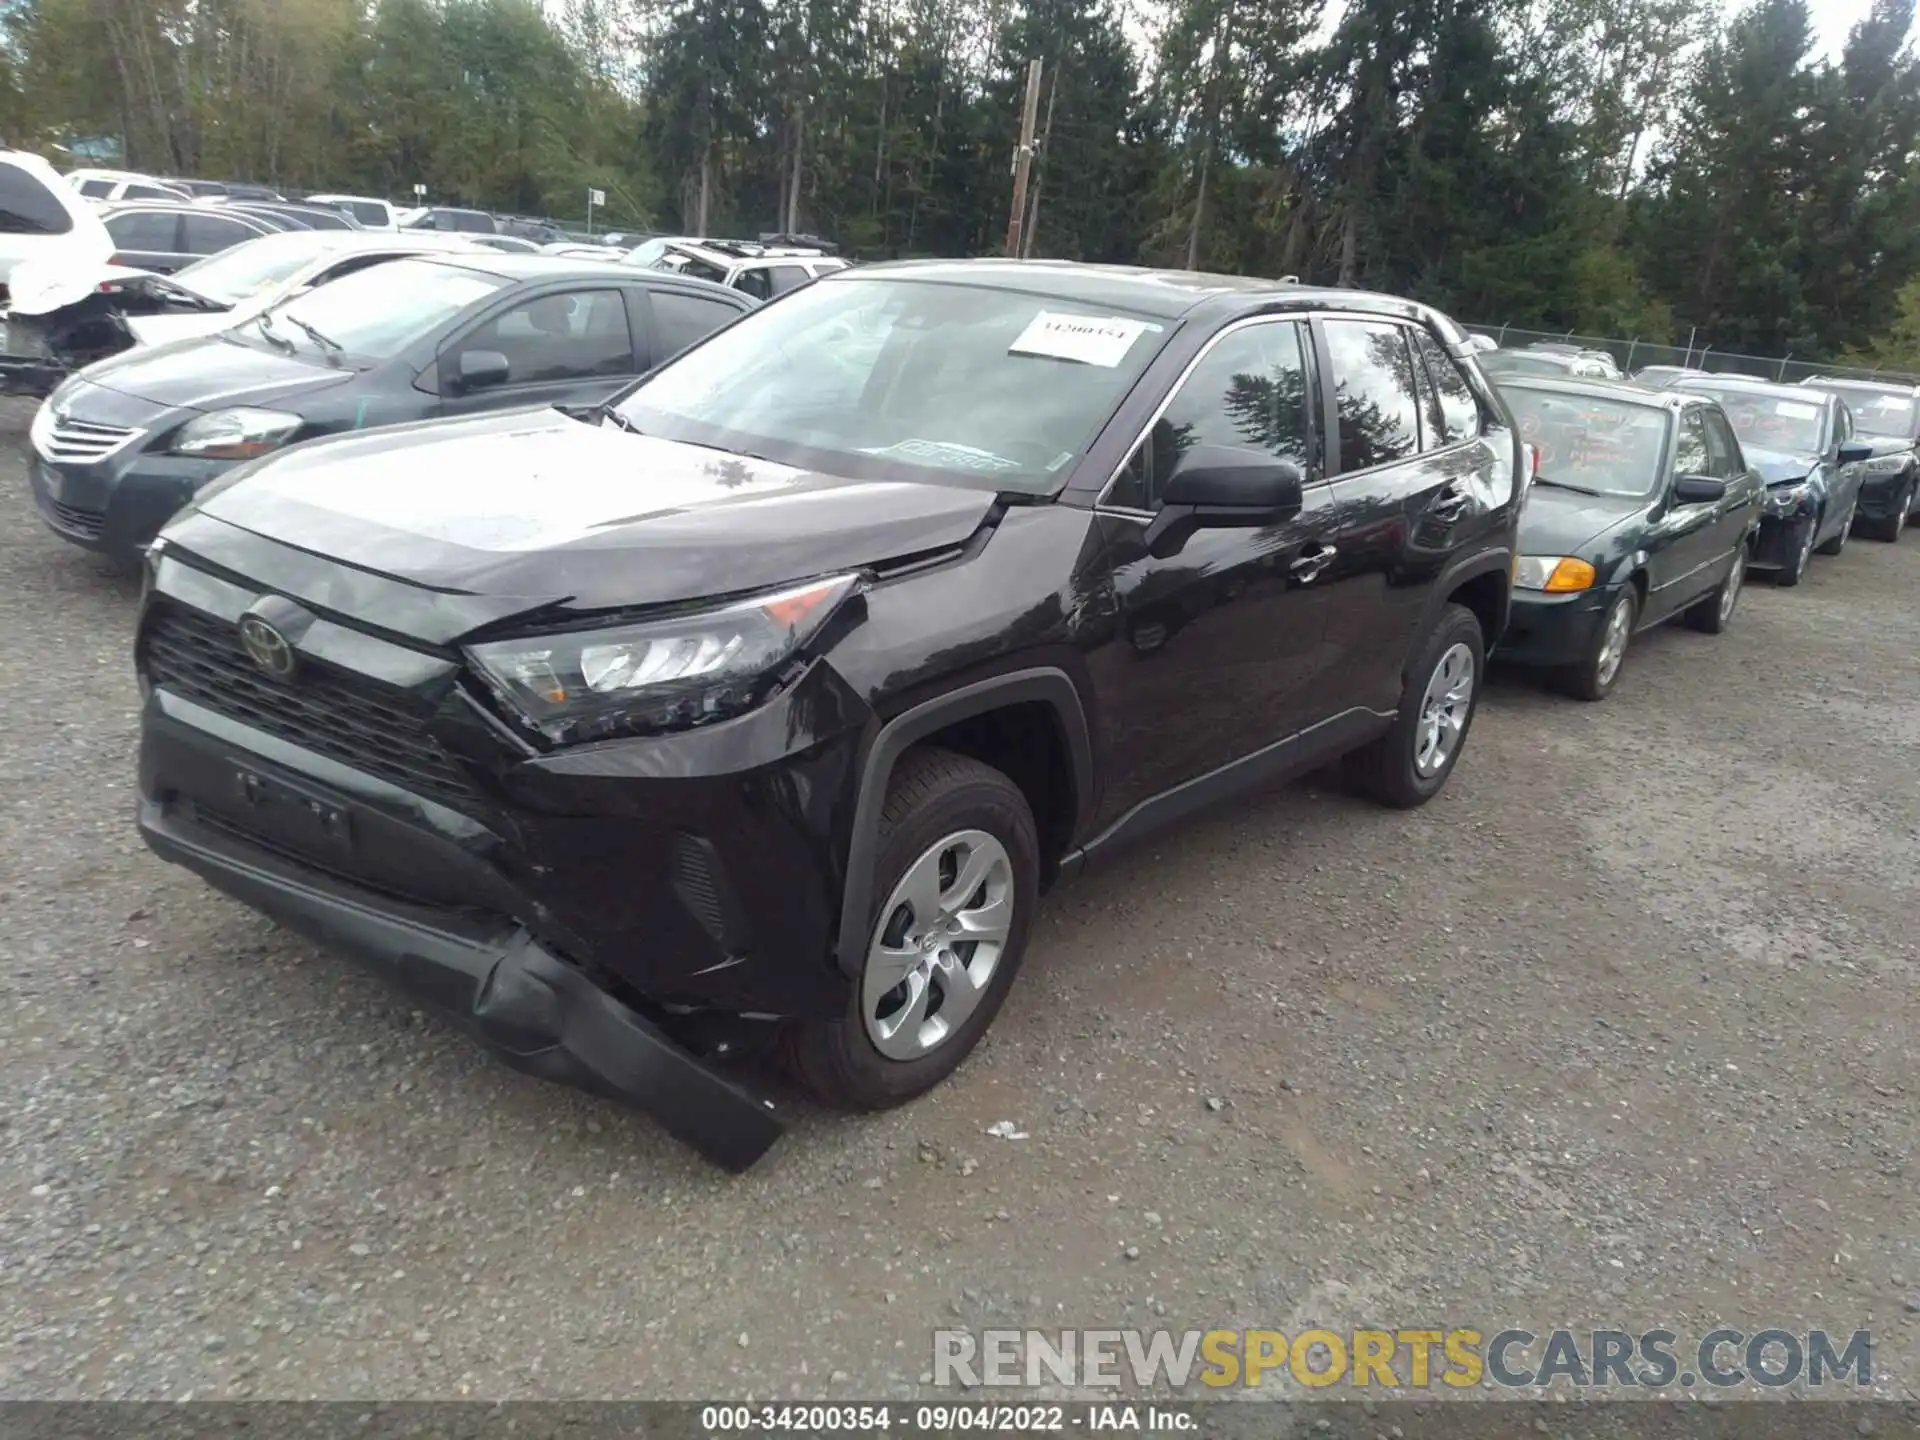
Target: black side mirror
{"x":480,"y":369}
{"x":1852,"y":452}
{"x":1698,"y":490}
{"x":1213,"y":487}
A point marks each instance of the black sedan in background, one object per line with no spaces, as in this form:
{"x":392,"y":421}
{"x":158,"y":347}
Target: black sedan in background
{"x":1890,"y":483}
{"x":1802,"y":443}
{"x":1642,"y":508}
{"x":122,"y":445}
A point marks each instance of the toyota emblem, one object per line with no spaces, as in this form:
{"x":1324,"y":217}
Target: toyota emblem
{"x":267,"y":647}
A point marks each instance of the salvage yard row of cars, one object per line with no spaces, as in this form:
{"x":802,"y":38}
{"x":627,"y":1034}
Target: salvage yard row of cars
{"x":652,"y":678}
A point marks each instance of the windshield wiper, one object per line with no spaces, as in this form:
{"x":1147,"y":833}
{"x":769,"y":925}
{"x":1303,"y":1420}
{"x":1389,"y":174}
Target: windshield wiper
{"x":274,"y":337}
{"x":607,"y":412}
{"x":325,"y":342}
{"x":1564,"y":485}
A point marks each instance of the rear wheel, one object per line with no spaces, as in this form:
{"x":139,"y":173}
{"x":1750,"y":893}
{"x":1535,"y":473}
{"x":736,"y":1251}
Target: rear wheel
{"x":1594,"y":677}
{"x":1409,"y":764}
{"x":1714,"y":612}
{"x":1889,"y":526}
{"x":957,"y":874}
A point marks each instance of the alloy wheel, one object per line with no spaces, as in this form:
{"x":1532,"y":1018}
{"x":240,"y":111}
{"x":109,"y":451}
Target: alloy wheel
{"x":1444,"y":710}
{"x":940,"y":938}
{"x":1613,"y":642}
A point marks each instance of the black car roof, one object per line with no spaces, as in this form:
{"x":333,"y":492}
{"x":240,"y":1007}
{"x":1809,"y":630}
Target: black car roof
{"x":1623,"y":391}
{"x":1172,"y":294}
{"x":515,"y":266}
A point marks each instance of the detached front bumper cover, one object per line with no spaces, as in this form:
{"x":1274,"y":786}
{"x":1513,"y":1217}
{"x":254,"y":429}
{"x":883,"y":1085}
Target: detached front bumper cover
{"x":537,"y":1013}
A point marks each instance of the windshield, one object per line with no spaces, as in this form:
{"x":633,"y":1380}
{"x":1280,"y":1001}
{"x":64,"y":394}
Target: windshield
{"x":377,"y":312}
{"x":1604,"y":446}
{"x":867,"y":377}
{"x":1880,"y":412}
{"x":253,"y":266}
{"x":1505,"y":362}
{"x":1770,"y":422}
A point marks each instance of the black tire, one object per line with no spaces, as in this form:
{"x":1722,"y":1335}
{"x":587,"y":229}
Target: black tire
{"x":933,"y":794}
{"x":1794,"y":570}
{"x":1385,"y":769}
{"x":1838,"y":542}
{"x":1889,"y":526}
{"x":1713,"y":612}
{"x":1588,"y":679}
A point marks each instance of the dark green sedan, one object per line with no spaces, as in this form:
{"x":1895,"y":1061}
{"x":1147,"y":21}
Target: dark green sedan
{"x":1642,"y":508}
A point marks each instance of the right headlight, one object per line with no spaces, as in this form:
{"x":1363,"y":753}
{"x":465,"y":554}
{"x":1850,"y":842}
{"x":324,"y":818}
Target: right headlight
{"x":666,"y":674}
{"x":238,"y":434}
{"x":1555,"y":574}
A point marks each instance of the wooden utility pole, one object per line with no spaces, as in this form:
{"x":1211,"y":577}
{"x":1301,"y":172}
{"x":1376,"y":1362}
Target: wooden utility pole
{"x":1023,"y":160}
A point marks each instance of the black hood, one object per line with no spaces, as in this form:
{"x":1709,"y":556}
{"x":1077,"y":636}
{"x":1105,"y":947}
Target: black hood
{"x":1566,"y":522}
{"x":212,"y":372}
{"x":527,"y":510}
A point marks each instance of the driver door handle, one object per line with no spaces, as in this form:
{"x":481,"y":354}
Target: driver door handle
{"x":1307,"y":568}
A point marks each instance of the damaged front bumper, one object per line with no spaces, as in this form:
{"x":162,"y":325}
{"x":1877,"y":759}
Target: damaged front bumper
{"x":539,"y":1014}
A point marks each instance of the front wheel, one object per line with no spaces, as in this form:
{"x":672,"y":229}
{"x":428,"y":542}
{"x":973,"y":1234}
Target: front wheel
{"x":1800,"y":554}
{"x":1838,"y":541}
{"x":958,"y":874}
{"x":1407,"y":766}
{"x":1594,"y":676}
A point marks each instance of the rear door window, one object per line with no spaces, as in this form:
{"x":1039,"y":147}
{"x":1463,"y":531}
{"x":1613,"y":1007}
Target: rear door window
{"x":27,"y":207}
{"x":757,"y":283}
{"x":1459,"y":410}
{"x":96,"y":189}
{"x":789,"y":277}
{"x":1374,"y":392}
{"x":208,"y":234}
{"x":147,"y":231}
{"x":681,"y":320}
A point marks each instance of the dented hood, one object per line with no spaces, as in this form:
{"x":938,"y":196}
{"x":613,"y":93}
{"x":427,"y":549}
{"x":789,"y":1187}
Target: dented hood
{"x":533,"y":508}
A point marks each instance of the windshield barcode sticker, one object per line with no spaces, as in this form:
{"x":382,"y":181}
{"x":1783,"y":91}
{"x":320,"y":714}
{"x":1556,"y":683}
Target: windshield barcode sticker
{"x":1101,"y":340}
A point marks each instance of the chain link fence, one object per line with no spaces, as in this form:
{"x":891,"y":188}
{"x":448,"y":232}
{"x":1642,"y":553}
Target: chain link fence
{"x":1631,"y":355}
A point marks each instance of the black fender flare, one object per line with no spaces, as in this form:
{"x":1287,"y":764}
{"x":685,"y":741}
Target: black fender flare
{"x":1496,"y":559}
{"x":1047,"y":685}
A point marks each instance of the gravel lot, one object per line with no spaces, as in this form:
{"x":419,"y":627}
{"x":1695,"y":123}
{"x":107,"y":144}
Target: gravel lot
{"x":1618,"y":1032}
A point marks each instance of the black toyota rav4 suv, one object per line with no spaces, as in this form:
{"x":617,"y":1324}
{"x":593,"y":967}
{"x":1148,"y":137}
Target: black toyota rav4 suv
{"x":765,"y":700}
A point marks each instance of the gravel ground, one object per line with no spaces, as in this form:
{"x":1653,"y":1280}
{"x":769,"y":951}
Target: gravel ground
{"x":1618,"y":1032}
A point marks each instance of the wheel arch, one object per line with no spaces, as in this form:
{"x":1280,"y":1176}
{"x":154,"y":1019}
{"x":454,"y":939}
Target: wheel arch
{"x":1046,"y":687}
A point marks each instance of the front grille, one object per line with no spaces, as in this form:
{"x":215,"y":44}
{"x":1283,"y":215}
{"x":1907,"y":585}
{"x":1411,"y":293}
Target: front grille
{"x":83,"y":524}
{"x":371,"y":727}
{"x":76,"y":441}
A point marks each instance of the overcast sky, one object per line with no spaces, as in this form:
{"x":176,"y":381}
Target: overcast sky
{"x":1832,"y":19}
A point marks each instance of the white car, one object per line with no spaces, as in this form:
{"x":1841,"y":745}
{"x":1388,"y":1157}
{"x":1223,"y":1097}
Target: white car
{"x":65,"y":316}
{"x":762,"y":271}
{"x":372,"y":214}
{"x":107,"y":187}
{"x":42,"y":217}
